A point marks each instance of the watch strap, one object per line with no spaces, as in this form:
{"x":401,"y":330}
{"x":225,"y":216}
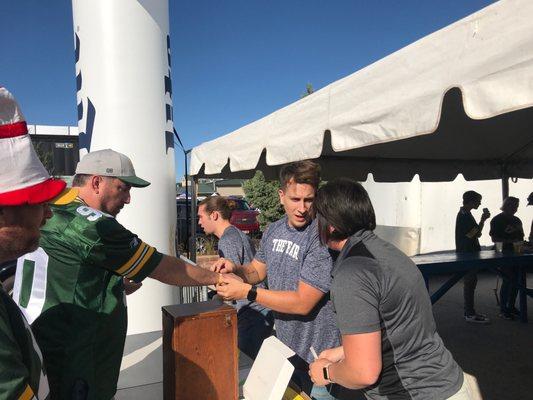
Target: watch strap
{"x":252,"y":294}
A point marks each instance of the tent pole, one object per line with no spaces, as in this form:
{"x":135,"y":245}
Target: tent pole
{"x":187,"y":219}
{"x":505,"y":187}
{"x":194,"y":193}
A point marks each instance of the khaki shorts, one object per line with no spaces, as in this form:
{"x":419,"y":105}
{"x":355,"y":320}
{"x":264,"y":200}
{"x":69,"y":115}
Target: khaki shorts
{"x":469,"y":390}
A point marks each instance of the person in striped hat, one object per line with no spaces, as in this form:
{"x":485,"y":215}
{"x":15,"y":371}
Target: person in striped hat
{"x":26,"y":189}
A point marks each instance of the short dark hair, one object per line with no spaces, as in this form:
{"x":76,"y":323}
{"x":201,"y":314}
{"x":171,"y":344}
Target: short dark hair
{"x":306,"y":171}
{"x":220,"y":204}
{"x":343,"y":204}
{"x":80,"y":180}
{"x":471,"y":196}
{"x":508,"y":201}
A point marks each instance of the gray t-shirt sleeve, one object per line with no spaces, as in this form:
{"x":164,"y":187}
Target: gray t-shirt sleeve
{"x":355,"y":294}
{"x":317,"y":264}
{"x":260,"y":255}
{"x":236,"y":246}
{"x":230,"y":246}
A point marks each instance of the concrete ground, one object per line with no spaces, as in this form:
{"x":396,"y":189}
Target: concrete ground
{"x":499,"y":355}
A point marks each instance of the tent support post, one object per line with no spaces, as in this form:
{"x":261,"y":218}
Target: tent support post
{"x":194,"y":193}
{"x":505,"y":187}
{"x":187,"y":218}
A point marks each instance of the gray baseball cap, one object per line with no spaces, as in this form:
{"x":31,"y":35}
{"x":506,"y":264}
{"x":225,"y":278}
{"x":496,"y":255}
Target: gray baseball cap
{"x":110,"y":163}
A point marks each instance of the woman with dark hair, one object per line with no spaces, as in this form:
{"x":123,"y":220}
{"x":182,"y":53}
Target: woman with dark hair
{"x":390,"y":345}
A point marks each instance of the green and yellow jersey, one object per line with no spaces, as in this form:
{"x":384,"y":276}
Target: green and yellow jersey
{"x":21,"y":367}
{"x":71,"y":291}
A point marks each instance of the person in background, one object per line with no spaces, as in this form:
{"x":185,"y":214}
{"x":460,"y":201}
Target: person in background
{"x":530,"y":203}
{"x":390,"y":345}
{"x":26,"y":189}
{"x":507,"y":229}
{"x":297,"y":268}
{"x":255,"y":322}
{"x":71,"y":289}
{"x":467,"y":233}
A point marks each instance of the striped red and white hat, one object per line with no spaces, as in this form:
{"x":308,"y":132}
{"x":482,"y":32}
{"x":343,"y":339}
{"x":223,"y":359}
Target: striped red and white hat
{"x":23,"y":178}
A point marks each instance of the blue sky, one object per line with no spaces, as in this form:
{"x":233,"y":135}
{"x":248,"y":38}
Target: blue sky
{"x":233,"y":61}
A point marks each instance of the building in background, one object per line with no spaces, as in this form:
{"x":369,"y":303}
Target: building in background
{"x":210,"y":187}
{"x":230,"y":187}
{"x":57,"y":147}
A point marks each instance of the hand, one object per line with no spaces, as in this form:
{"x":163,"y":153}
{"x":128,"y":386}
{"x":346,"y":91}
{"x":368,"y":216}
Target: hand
{"x":223,"y":266}
{"x":206,"y":264}
{"x":130,"y":286}
{"x":232,"y":276}
{"x":335,"y":354}
{"x":316,"y":371}
{"x":485,"y":215}
{"x":230,"y":288}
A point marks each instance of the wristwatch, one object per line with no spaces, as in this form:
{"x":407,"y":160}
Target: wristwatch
{"x":325,"y":371}
{"x":252,"y":294}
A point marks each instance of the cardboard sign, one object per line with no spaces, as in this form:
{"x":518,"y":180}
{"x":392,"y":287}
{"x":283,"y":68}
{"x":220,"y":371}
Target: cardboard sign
{"x":270,"y":373}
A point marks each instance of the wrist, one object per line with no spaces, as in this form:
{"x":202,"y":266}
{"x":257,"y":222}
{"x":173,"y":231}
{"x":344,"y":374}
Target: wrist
{"x":250,"y":292}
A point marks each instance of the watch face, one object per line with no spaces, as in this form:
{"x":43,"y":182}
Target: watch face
{"x":326,"y":373}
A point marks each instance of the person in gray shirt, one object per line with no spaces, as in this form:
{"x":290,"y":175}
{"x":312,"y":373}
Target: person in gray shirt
{"x":390,"y":345}
{"x":297,"y":270}
{"x":254,"y":321}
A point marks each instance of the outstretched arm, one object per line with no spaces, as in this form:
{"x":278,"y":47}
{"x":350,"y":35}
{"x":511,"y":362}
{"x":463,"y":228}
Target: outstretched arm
{"x":252,"y":273}
{"x":300,"y":302}
{"x":175,"y":271}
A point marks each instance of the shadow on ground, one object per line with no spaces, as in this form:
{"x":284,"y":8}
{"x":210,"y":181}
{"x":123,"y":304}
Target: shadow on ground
{"x":500,"y":354}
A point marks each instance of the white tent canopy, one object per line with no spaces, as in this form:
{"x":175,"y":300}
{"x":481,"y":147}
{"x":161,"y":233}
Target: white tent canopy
{"x":457,"y":101}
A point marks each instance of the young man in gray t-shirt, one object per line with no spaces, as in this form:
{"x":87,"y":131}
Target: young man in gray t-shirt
{"x":297,"y":269}
{"x":254,"y":321}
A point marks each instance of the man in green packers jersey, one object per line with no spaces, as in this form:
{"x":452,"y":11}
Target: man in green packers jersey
{"x":71,"y":288}
{"x":25,"y":190}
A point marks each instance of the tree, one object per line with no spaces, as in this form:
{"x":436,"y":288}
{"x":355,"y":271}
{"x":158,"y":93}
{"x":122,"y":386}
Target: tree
{"x":46,"y":156}
{"x":308,"y":90}
{"x":263,"y":194}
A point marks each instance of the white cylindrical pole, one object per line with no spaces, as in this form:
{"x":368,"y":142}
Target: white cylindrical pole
{"x":124,"y":103}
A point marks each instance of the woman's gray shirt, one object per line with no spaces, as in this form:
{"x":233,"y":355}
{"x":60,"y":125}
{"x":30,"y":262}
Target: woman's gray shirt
{"x":376,"y":287}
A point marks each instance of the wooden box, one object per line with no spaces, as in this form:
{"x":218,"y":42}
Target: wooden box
{"x":200,"y":356}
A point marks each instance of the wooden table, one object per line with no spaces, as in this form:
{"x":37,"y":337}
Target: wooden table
{"x":459,"y":264}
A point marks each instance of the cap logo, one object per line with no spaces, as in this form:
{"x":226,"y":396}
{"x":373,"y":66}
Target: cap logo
{"x":109,"y":170}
